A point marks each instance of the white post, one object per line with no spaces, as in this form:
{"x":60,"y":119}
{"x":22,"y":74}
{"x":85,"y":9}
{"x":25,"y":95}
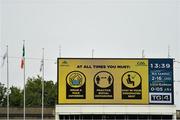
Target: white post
{"x":7,"y":85}
{"x":42,"y":83}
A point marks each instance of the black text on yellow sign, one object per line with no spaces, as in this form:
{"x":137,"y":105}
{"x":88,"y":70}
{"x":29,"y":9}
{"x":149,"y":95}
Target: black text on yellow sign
{"x":102,"y":81}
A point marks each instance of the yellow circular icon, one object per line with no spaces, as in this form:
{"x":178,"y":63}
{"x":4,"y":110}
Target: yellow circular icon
{"x":103,"y":79}
{"x":75,"y":79}
{"x":131,"y":79}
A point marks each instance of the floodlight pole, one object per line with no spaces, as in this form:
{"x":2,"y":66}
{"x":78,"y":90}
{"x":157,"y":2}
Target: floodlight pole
{"x":143,"y":56}
{"x":92,"y":53}
{"x":169,"y":52}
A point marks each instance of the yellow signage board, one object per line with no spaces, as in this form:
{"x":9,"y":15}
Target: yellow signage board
{"x":102,"y":81}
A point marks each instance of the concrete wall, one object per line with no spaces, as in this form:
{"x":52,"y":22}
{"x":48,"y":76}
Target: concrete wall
{"x":31,"y":113}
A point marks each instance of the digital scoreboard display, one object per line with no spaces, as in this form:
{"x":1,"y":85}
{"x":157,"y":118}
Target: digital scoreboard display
{"x":161,"y":81}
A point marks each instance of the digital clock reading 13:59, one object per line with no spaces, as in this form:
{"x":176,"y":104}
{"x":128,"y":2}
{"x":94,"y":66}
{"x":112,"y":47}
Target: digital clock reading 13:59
{"x":160,"y":65}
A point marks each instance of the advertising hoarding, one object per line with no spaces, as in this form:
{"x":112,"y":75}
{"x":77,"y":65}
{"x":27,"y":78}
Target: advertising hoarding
{"x":113,"y":81}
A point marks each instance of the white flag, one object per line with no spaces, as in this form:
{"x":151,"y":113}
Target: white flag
{"x":41,"y":66}
{"x":4,"y":58}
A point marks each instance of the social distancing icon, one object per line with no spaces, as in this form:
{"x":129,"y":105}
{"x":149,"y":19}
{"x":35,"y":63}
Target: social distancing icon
{"x":103,"y":85}
{"x":103,"y":79}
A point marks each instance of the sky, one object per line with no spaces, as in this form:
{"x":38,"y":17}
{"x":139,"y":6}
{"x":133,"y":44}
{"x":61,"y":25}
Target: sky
{"x":113,"y":28}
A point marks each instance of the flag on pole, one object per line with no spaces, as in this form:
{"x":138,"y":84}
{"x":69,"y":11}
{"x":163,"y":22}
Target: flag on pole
{"x":4,"y":57}
{"x":23,"y":56}
{"x":41,"y":66}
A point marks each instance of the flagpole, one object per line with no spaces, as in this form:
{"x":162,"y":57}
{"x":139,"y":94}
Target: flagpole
{"x":43,"y":84}
{"x":7,"y":85}
{"x":24,"y":80}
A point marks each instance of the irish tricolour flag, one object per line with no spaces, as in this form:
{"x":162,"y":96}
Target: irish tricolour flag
{"x":23,"y":57}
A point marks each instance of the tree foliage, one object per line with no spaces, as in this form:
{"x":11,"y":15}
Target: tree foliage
{"x":49,"y":93}
{"x":2,"y":95}
{"x":15,"y":97}
{"x":33,"y":94}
